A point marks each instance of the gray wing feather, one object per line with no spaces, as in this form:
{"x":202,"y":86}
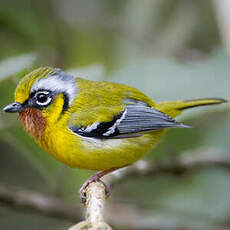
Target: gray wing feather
{"x":132,"y":122}
{"x":141,"y":118}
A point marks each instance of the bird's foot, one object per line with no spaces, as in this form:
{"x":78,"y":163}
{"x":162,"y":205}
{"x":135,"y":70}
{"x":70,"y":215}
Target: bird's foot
{"x":94,"y":178}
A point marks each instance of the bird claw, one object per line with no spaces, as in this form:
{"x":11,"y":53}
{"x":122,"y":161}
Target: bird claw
{"x":94,"y":178}
{"x":107,"y":188}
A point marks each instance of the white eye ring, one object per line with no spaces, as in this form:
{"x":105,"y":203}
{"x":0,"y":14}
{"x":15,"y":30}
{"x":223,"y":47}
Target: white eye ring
{"x":43,"y":93}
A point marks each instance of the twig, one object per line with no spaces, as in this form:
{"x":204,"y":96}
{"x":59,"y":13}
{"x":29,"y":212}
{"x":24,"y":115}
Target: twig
{"x":95,"y":201}
{"x":39,"y":203}
{"x":187,"y":163}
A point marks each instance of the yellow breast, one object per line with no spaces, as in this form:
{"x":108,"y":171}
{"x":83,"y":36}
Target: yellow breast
{"x":96,"y":154}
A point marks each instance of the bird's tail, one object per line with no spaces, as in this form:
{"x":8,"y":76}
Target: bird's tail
{"x":174,"y":108}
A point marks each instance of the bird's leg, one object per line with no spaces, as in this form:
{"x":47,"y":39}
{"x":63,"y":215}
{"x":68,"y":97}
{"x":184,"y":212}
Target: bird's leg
{"x":94,"y":178}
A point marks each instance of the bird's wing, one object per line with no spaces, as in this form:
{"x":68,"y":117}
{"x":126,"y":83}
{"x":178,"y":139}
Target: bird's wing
{"x":132,"y":121}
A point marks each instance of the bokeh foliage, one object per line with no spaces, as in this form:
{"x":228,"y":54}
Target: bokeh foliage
{"x":168,"y":49}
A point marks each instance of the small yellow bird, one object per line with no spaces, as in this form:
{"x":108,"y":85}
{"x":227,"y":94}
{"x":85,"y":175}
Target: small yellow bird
{"x":93,"y":125}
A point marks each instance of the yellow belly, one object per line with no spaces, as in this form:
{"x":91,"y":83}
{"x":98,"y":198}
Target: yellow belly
{"x":95,"y":154}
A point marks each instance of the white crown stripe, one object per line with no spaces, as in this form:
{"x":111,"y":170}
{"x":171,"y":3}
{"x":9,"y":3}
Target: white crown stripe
{"x":60,"y":83}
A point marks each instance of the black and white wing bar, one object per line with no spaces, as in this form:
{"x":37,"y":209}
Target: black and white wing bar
{"x":133,"y":121}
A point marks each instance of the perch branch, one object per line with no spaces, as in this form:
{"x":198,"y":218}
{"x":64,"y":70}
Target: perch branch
{"x":95,"y":202}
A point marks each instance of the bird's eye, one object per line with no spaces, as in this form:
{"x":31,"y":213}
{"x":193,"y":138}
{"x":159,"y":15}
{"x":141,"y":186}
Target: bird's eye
{"x":43,"y":98}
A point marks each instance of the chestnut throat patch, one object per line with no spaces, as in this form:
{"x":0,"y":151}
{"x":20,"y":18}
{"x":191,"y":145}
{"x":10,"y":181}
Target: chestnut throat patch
{"x":33,"y":122}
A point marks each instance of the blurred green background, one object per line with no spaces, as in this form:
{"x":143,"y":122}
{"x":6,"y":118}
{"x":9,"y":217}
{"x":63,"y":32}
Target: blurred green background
{"x":170,"y":49}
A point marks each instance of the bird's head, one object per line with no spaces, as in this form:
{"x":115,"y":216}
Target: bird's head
{"x":41,"y":97}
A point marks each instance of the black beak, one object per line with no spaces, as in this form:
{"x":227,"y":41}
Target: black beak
{"x":13,"y":108}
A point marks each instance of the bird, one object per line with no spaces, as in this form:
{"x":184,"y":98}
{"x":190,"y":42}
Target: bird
{"x":94,"y":125}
